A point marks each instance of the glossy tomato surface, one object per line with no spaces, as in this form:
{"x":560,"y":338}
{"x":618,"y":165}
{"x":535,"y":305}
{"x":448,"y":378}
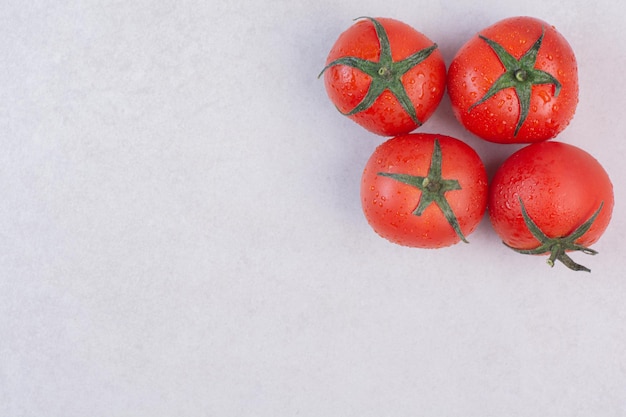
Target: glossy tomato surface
{"x":560,"y":185}
{"x":389,"y":203}
{"x":423,"y":83}
{"x":477,"y":67}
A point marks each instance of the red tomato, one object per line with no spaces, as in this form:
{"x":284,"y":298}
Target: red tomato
{"x":385,"y":75}
{"x":551,"y":197}
{"x":424,"y":190}
{"x":515,"y":82}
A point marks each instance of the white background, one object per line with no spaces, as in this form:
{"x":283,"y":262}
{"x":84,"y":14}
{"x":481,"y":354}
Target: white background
{"x":181,"y":231}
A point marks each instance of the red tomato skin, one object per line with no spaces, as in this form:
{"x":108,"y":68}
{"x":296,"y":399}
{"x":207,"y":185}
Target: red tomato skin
{"x":476,"y":67}
{"x":388,"y":205}
{"x":425,"y":83}
{"x":561,"y":187}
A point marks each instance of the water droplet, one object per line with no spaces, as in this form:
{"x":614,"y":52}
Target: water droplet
{"x":544,"y":96}
{"x":552,"y":124}
{"x":550,"y":57}
{"x":501,"y":103}
{"x":555,"y":108}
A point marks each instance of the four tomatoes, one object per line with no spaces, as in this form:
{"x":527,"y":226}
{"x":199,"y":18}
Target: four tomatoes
{"x":514,"y":82}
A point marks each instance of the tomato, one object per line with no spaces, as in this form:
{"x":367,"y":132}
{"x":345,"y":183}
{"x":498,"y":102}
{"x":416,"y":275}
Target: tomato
{"x":424,"y":190}
{"x":515,"y":82}
{"x":551,"y":197}
{"x":385,"y":75}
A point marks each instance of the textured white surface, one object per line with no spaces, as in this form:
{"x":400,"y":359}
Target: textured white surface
{"x":181,"y":231}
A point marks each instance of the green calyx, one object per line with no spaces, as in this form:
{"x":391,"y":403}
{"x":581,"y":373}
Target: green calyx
{"x":519,"y":74}
{"x":558,"y":246}
{"x":433,"y":188}
{"x":386,"y":74}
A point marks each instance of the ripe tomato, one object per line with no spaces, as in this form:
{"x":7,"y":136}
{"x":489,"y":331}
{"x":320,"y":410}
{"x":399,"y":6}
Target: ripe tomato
{"x":515,"y":82}
{"x":424,"y":190}
{"x":551,"y":197}
{"x":385,"y":75}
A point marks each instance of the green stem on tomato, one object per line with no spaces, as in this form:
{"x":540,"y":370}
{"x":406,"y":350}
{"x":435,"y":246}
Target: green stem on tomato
{"x":433,"y":187}
{"x":520,"y":75}
{"x":558,"y":246}
{"x":386,"y":74}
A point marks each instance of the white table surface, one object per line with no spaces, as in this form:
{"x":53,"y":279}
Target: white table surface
{"x":181,"y":229}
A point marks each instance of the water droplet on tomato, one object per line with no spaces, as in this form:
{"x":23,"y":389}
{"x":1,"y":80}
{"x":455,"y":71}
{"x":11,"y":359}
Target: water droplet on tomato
{"x":552,"y":124}
{"x":545,"y":96}
{"x":550,"y":57}
{"x":501,"y":103}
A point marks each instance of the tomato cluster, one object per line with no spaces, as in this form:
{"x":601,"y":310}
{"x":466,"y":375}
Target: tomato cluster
{"x":513,"y":82}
